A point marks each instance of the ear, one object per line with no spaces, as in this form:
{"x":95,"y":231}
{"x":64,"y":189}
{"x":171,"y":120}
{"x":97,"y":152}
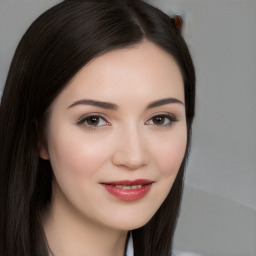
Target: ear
{"x":43,"y":151}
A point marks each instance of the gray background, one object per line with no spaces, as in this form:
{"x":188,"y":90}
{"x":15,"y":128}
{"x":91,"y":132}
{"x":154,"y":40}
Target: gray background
{"x":218,"y":216}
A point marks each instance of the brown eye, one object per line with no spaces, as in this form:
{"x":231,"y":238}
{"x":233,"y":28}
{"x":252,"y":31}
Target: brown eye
{"x":159,"y":120}
{"x":93,"y":121}
{"x":162,"y":120}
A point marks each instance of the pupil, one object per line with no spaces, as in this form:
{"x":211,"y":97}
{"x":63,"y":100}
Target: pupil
{"x":159,"y":119}
{"x":93,"y":120}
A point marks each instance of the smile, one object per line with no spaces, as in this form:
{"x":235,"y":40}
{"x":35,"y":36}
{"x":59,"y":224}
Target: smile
{"x":127,"y":190}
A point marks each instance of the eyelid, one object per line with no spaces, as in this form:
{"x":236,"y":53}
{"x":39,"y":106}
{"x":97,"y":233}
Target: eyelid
{"x":170,"y":116}
{"x":83,"y":118}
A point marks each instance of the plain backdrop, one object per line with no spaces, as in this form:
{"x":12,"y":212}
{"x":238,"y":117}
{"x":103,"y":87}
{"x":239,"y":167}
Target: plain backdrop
{"x":218,"y":216}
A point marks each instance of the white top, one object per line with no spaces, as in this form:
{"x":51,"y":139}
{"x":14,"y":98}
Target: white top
{"x":130,"y":251}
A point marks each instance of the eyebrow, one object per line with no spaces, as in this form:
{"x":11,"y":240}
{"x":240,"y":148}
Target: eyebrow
{"x":100,"y":104}
{"x":164,"y":102}
{"x":112,"y":106}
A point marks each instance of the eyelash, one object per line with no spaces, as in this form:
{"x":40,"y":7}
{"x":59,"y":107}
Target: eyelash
{"x":172,"y":118}
{"x":84,"y":119}
{"x":169,"y":118}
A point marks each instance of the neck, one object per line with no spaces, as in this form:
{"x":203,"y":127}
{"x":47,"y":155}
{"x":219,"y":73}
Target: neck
{"x":68,"y":232}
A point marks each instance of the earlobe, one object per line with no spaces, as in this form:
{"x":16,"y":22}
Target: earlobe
{"x":43,"y":151}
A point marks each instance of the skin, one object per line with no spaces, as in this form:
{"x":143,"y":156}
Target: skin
{"x":127,"y":143}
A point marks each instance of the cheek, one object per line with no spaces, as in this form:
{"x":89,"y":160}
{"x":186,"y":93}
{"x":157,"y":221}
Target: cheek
{"x":170,"y":153}
{"x":76,"y":154}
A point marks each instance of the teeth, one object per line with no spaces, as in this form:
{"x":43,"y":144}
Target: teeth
{"x":128,"y":187}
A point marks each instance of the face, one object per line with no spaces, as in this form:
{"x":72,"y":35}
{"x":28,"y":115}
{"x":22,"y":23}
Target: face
{"x":116,"y":137}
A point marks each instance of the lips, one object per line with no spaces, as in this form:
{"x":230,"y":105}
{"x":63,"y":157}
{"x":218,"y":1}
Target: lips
{"x":128,"y":190}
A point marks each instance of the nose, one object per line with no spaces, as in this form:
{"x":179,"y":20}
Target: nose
{"x":131,"y":150}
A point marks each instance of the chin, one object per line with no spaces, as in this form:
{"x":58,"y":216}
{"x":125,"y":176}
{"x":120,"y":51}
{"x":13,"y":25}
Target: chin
{"x":131,"y":222}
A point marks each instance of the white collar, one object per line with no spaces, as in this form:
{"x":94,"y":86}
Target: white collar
{"x":130,"y":251}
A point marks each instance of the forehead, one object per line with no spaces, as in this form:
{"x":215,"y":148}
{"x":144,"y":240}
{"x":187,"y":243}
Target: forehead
{"x":141,"y":70}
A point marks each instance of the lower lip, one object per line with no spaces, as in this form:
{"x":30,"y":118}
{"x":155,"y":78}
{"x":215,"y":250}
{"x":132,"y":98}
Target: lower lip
{"x":128,"y":194}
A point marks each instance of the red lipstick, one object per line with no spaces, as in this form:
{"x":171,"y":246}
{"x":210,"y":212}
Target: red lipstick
{"x":128,"y":190}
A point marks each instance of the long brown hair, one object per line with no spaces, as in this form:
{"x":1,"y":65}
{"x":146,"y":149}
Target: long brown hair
{"x":55,"y":47}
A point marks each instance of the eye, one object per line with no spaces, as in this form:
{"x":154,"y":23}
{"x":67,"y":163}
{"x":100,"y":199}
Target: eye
{"x":93,"y":121}
{"x":162,"y":120}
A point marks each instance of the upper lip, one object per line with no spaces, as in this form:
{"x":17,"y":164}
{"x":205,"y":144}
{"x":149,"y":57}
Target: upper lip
{"x":129,"y":182}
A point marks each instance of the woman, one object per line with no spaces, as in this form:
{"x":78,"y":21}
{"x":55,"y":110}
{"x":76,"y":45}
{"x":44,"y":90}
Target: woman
{"x":95,"y":126}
